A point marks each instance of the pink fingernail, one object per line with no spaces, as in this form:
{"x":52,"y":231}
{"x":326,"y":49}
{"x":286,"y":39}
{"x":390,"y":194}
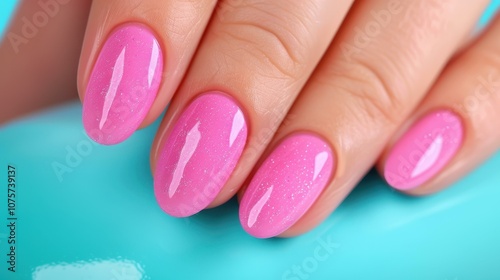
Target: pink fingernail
{"x":200,"y":154}
{"x":123,"y":84}
{"x":424,"y":150}
{"x":286,"y":185}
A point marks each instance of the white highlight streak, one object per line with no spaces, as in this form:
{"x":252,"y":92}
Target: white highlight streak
{"x":255,"y":211}
{"x":429,"y":158}
{"x":153,"y":62}
{"x":238,"y":123}
{"x":319,"y":163}
{"x":116,"y":78}
{"x":192,"y":139}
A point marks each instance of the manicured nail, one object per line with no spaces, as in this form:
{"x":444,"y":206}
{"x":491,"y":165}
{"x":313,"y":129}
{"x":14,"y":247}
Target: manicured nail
{"x":286,"y":185}
{"x":424,"y":150}
{"x":200,"y":154}
{"x":123,"y":84}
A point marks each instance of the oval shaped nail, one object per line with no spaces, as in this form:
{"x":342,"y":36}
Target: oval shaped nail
{"x":424,"y":150}
{"x":200,"y":154}
{"x":286,"y":185}
{"x":123,"y":84}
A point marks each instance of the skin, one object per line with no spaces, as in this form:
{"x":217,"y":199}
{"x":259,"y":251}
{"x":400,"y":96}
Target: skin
{"x":31,"y":60}
{"x":288,"y":67}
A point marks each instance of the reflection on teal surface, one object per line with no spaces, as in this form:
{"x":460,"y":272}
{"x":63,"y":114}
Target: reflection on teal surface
{"x":90,"y":269}
{"x":99,"y":220}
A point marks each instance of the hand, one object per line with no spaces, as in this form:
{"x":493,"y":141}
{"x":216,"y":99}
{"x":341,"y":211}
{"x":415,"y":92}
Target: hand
{"x":289,"y":103}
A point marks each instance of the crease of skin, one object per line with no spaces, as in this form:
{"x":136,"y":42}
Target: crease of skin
{"x":185,"y":15}
{"x":258,"y":97}
{"x":136,"y":6}
{"x":280,"y":31}
{"x":378,"y":95}
{"x":284,"y":63}
{"x":295,"y":54}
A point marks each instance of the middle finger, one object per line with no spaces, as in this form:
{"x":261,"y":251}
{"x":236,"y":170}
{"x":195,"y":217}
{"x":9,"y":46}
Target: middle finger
{"x":253,"y":61}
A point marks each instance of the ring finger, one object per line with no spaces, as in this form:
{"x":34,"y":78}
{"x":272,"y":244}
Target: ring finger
{"x":380,"y":65}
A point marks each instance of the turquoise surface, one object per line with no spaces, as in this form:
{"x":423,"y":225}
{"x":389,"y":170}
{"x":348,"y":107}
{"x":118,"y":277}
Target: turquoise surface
{"x":100,"y":220}
{"x":489,"y":13}
{"x":6,"y":9}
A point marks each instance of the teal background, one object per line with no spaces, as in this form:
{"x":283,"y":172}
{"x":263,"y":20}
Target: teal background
{"x":101,"y":221}
{"x":6,"y":9}
{"x":489,"y":13}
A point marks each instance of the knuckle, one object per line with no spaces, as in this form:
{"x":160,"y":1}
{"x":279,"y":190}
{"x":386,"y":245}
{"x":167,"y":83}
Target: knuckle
{"x":271,"y":34}
{"x":373,"y":96}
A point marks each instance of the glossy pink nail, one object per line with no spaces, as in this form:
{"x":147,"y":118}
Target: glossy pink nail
{"x":200,"y":154}
{"x":424,"y":150}
{"x":286,"y":185}
{"x":123,"y":84}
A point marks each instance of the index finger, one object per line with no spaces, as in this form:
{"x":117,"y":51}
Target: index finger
{"x":134,"y":56}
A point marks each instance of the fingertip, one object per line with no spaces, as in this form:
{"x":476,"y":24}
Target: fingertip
{"x":123,"y":84}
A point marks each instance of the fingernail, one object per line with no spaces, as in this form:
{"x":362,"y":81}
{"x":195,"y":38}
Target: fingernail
{"x":200,"y":154}
{"x":286,"y":185}
{"x":123,"y":84}
{"x":424,"y":150}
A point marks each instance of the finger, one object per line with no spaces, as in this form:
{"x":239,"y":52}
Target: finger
{"x":487,"y":16}
{"x":253,"y":61}
{"x":455,"y":127}
{"x":134,"y":56}
{"x":28,"y":50}
{"x":381,"y":63}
